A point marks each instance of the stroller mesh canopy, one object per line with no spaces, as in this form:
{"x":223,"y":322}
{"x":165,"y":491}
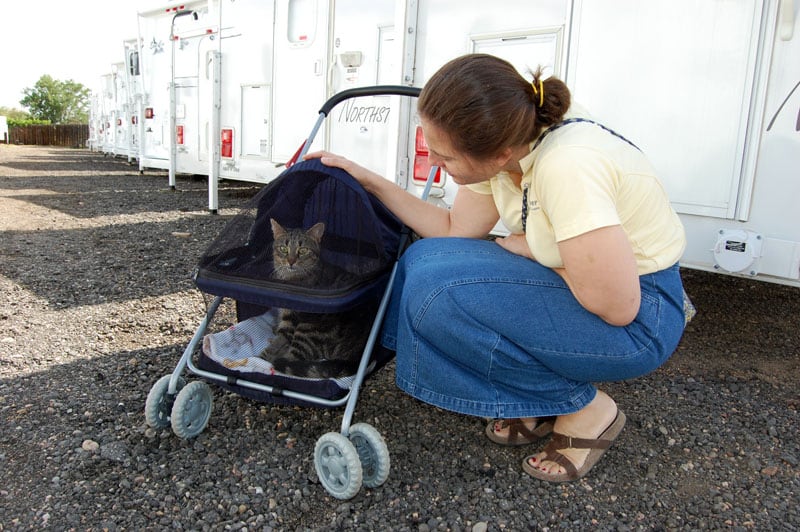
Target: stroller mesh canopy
{"x":358,"y":245}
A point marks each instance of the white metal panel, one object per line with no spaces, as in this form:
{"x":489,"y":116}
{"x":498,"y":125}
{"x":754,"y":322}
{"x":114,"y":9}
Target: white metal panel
{"x":156,"y":63}
{"x":773,"y":203}
{"x":193,"y":35}
{"x":247,"y":67}
{"x":133,"y":81}
{"x":450,"y":28}
{"x":677,"y":81}
{"x":446,"y":26}
{"x":365,"y":52}
{"x":526,"y":50}
{"x":256,"y":101}
{"x":300,"y":73}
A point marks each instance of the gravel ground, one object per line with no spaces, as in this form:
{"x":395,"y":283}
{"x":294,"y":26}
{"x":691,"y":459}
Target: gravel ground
{"x":97,"y":304}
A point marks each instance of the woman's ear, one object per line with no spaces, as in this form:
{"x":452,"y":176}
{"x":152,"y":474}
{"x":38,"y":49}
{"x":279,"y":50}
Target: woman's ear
{"x":503,"y":157}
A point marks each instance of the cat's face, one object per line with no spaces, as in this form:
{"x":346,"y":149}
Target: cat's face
{"x":296,"y":252}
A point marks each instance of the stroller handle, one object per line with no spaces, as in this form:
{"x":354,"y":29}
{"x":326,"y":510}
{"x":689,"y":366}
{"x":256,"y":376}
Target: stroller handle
{"x":376,"y":90}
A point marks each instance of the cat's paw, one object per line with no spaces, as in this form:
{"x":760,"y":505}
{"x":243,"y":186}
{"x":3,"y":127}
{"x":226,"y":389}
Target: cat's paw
{"x":231,"y":363}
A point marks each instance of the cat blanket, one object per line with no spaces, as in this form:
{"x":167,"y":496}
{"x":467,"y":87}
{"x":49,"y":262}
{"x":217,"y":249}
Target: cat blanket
{"x":241,"y":344}
{"x":245,"y":340}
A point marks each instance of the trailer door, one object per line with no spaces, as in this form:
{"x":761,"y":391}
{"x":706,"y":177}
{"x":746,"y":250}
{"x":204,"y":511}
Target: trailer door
{"x":679,"y":82}
{"x":300,"y":73}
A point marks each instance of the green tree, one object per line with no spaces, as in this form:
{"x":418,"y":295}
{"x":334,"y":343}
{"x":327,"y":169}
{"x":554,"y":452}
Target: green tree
{"x":60,"y":102}
{"x":13,"y":113}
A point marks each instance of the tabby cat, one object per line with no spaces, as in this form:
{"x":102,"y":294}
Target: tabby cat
{"x":312,"y":344}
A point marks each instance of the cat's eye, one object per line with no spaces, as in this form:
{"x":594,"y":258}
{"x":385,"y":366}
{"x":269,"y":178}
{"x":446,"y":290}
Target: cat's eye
{"x":283,"y":249}
{"x":302,"y":251}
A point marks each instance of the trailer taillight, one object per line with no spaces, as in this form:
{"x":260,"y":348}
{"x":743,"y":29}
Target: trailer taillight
{"x":148,"y":112}
{"x":134,"y":120}
{"x":119,"y":121}
{"x":226,"y":147}
{"x":421,"y":165}
{"x":179,"y":135}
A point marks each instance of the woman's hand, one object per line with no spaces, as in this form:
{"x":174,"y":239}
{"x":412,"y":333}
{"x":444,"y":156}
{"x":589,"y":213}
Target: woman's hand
{"x":516,"y":244}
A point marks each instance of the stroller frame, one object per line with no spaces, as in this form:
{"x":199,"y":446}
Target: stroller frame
{"x":344,"y":461}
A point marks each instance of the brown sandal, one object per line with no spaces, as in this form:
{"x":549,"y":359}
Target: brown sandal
{"x":518,"y":433}
{"x":559,"y":441}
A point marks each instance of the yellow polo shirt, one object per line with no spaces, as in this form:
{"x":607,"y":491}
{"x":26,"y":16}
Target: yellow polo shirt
{"x":582,"y":178}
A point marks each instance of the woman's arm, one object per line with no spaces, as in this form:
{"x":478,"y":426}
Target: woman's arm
{"x":472,"y":214}
{"x":600,"y":270}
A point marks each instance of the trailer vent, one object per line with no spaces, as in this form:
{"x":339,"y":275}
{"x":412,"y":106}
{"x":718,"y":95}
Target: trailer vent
{"x":737,"y":251}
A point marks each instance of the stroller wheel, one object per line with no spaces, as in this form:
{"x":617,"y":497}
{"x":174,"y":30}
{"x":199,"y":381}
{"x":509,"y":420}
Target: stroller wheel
{"x":373,"y":453}
{"x":337,"y":464}
{"x":192,"y":409}
{"x":158,"y":407}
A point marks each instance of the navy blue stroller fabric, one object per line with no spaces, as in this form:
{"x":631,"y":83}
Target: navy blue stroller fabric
{"x":361,"y":237}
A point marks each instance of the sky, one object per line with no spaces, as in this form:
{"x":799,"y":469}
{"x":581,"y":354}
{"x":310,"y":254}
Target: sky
{"x":77,"y":40}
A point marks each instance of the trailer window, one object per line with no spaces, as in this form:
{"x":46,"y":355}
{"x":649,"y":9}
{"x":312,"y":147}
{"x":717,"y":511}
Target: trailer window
{"x":133,"y":63}
{"x":302,"y":26}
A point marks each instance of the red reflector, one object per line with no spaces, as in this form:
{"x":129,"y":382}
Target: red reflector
{"x":422,"y":168}
{"x":134,"y":120}
{"x":421,"y":165}
{"x":179,"y":135}
{"x":420,"y":146}
{"x":148,"y":112}
{"x":226,"y":147}
{"x":303,"y":38}
{"x":119,"y":121}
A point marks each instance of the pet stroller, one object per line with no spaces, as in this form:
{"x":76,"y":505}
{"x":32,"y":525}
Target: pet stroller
{"x":362,"y":237}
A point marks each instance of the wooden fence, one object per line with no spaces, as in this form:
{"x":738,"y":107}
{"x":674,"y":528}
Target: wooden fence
{"x":73,"y":136}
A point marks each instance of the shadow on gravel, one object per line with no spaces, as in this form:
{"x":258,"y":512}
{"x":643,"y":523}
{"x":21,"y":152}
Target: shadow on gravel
{"x":83,"y":196}
{"x":101,"y":201}
{"x":75,"y":267}
{"x":50,"y":161}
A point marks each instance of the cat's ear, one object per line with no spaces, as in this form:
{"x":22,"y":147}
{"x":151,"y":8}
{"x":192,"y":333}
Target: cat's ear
{"x":316,"y":231}
{"x":277,"y":229}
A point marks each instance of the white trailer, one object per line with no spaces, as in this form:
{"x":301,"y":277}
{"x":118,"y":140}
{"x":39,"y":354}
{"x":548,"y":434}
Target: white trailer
{"x":120,"y":115}
{"x":156,"y":116}
{"x":108,"y":113}
{"x":96,"y":121}
{"x":3,"y":130}
{"x":129,"y":93}
{"x":248,"y":70}
{"x":709,"y":91}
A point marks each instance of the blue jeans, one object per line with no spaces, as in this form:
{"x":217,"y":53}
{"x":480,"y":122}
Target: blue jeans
{"x":481,"y":331}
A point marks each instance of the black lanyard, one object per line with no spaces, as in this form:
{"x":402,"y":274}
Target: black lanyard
{"x":539,"y":141}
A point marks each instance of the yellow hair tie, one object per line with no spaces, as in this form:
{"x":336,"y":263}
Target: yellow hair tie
{"x":538,"y":91}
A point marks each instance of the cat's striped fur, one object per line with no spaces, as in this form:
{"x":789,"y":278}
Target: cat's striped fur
{"x":310,"y":344}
